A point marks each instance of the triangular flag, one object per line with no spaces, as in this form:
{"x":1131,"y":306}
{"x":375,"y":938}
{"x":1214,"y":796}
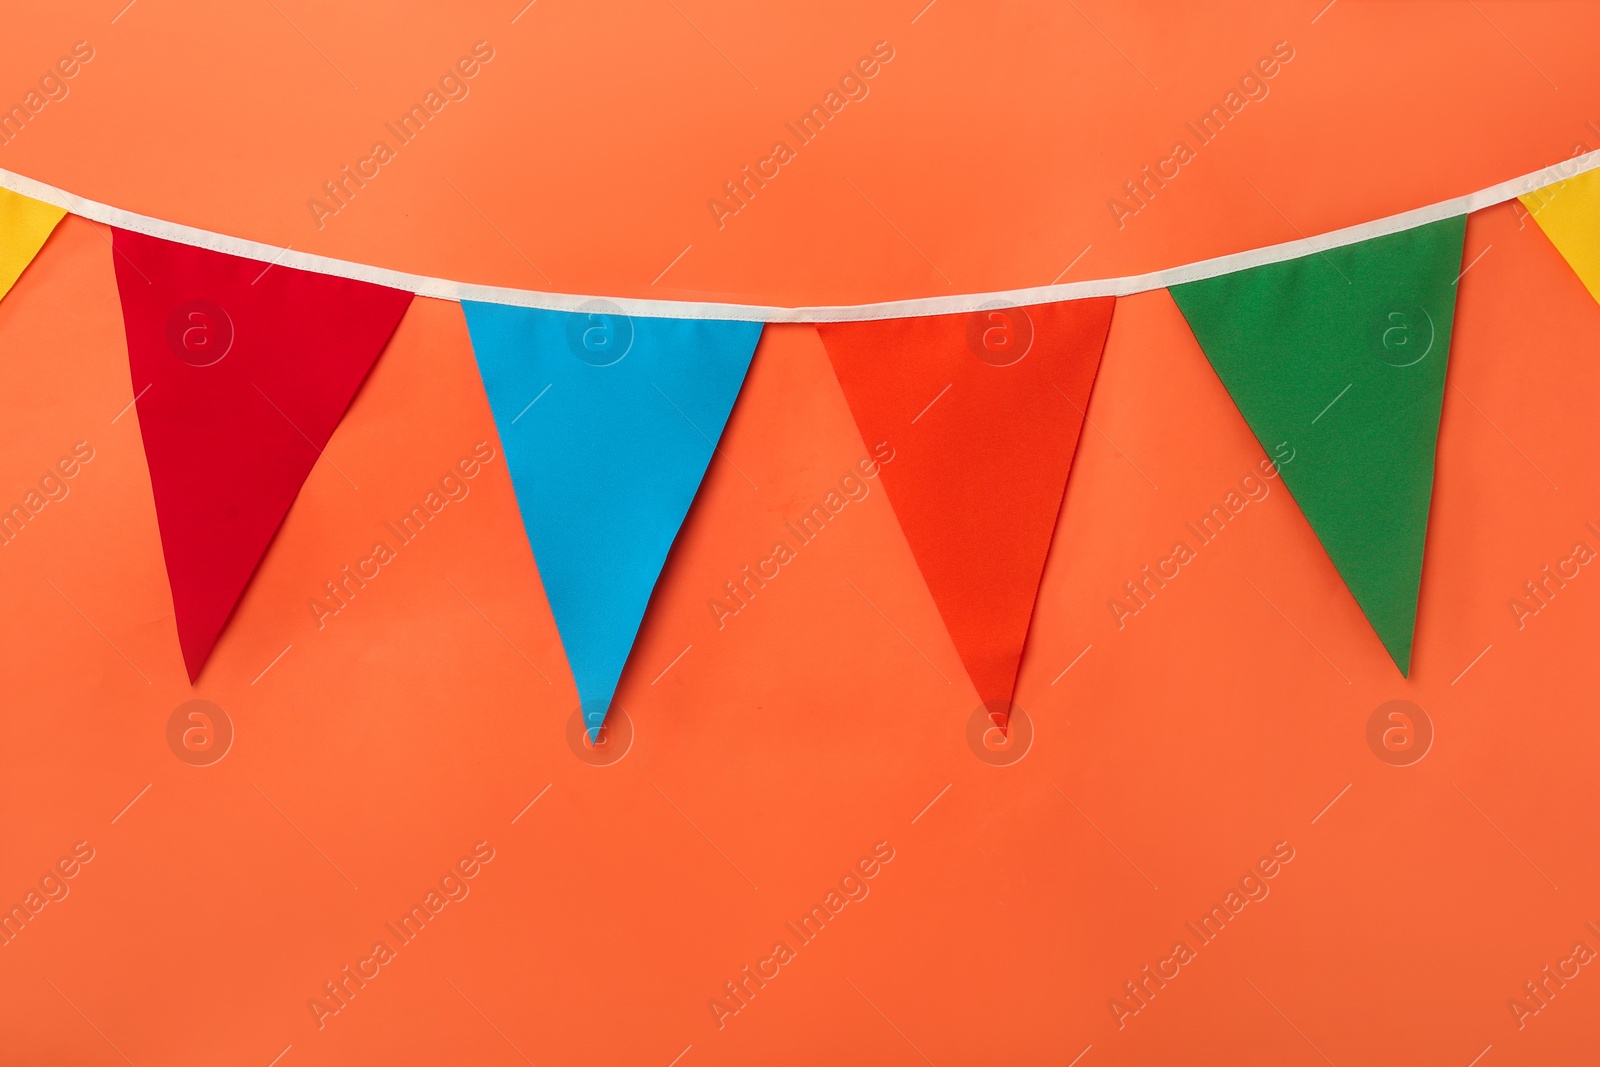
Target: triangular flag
{"x":24,"y":225}
{"x":1569,"y":214}
{"x":983,"y":411}
{"x":241,"y":371}
{"x":1342,"y":355}
{"x":608,"y":424}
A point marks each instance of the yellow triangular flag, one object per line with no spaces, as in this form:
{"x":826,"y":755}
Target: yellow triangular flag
{"x":24,"y":225}
{"x":1569,"y":214}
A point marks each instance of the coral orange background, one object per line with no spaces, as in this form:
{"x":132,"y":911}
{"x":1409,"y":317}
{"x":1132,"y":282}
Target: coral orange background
{"x":779,"y":749}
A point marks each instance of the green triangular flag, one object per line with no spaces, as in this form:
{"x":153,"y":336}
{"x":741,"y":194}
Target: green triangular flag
{"x":1342,"y":354}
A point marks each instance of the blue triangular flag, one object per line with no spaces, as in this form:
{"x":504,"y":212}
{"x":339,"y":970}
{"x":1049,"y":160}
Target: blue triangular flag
{"x":608,"y":423}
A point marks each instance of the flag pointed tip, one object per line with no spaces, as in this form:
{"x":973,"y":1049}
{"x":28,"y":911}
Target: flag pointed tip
{"x":594,"y":717}
{"x":999,"y":710}
{"x":1401,"y":657}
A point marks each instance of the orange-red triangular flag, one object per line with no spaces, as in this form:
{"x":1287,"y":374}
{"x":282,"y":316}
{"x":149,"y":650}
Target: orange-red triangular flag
{"x":984,"y":412}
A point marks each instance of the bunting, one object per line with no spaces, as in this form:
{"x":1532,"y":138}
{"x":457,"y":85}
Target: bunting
{"x":1342,"y":355}
{"x":608,"y":424}
{"x":242,"y":367}
{"x":25,"y":224}
{"x":984,"y":412}
{"x":241,"y":371}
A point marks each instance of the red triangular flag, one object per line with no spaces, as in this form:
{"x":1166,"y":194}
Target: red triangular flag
{"x":241,"y":371}
{"x":983,"y":411}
